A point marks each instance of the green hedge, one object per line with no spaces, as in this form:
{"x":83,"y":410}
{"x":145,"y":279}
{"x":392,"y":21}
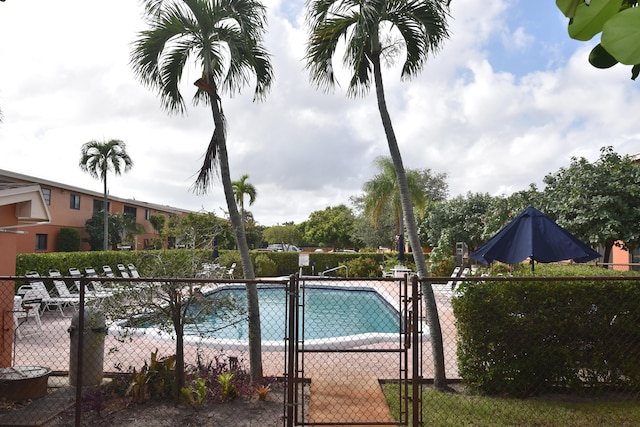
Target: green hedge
{"x":286,"y":263}
{"x":525,"y":337}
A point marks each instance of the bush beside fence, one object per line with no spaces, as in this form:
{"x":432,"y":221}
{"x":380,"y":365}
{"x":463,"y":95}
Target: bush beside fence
{"x":525,"y":337}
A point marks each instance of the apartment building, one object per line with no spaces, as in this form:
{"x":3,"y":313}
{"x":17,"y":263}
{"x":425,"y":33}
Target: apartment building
{"x":69,"y":206}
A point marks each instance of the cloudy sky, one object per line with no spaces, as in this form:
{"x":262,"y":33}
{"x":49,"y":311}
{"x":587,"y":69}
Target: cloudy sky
{"x":509,"y":99}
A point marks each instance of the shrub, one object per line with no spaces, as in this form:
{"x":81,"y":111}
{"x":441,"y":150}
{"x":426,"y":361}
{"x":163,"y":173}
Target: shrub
{"x":69,"y":240}
{"x":527,"y":336}
{"x":364,"y":267}
{"x":265,"y":266}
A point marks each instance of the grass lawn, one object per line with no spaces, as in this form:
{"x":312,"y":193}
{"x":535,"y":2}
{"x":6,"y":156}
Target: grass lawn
{"x":459,"y":409}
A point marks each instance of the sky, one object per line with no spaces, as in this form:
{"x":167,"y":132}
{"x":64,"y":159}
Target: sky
{"x":508,"y":99}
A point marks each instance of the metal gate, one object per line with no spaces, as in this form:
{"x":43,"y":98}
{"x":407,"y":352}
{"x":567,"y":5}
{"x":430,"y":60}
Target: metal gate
{"x":337,"y":381}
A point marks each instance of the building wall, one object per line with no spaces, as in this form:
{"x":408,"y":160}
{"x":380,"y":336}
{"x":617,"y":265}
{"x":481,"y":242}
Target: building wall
{"x":620,"y":259}
{"x":59,"y":197}
{"x":7,"y":268}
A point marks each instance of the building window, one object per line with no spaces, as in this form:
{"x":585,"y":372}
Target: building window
{"x":635,"y":259}
{"x":147,"y":214}
{"x":46,"y":195}
{"x":74,"y":201}
{"x":98,"y":204}
{"x":130,"y":211}
{"x":41,"y":242}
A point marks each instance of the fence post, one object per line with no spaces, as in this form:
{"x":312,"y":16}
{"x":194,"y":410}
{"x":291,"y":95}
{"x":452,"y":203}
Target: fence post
{"x":416,"y":349}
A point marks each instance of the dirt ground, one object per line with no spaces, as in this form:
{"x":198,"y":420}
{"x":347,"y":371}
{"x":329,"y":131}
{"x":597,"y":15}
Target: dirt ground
{"x":241,"y":412}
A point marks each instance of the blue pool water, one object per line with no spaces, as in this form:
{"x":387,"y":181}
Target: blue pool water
{"x":329,"y":312}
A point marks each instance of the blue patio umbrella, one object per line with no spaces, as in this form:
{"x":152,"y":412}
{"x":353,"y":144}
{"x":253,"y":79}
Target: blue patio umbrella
{"x":533,"y":235}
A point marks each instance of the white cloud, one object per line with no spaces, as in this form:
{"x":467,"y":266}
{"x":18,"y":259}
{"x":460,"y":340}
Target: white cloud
{"x":66,"y":80}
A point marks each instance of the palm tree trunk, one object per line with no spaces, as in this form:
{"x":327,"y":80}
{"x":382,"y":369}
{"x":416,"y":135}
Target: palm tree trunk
{"x":435,"y":332}
{"x":253,"y":308}
{"x":106,"y":214}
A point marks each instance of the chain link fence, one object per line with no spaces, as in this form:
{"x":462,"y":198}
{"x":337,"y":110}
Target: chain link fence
{"x":545,"y":342}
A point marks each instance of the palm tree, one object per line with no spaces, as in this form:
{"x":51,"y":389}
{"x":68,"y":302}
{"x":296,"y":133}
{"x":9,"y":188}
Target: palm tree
{"x":243,"y":188}
{"x":383,"y":195}
{"x":98,"y":158}
{"x":225,"y":38}
{"x":422,"y":27}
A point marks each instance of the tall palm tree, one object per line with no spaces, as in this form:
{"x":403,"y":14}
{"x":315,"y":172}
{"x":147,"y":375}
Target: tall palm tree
{"x":243,"y":188}
{"x":382,"y":193}
{"x":225,"y":38}
{"x":98,"y":158}
{"x":422,"y":28}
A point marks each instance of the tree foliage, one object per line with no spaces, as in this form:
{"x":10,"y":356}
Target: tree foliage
{"x":121,"y":229}
{"x":287,"y":233}
{"x":69,"y":240}
{"x":598,"y":202}
{"x":618,"y":21}
{"x":462,"y":218}
{"x":332,"y":227}
{"x":158,"y":221}
{"x":243,"y":188}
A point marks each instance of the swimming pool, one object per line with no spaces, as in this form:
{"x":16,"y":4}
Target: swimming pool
{"x":334,"y":317}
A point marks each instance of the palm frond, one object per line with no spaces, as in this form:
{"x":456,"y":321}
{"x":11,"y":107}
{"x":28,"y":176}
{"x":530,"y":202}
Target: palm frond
{"x":209,"y":168}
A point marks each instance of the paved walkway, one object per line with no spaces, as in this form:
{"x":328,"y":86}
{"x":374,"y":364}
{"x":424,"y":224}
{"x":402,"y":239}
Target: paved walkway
{"x":348,"y":400}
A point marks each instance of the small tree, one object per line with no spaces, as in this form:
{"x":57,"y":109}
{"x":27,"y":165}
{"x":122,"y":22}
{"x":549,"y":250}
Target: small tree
{"x":97,"y":158}
{"x":69,"y":240}
{"x":173,"y":304}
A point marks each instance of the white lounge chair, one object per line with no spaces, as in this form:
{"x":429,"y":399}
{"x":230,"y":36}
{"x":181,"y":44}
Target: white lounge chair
{"x":98,"y":288}
{"x":134,"y":271}
{"x":108,"y":271}
{"x":38,"y":289}
{"x":123,"y":271}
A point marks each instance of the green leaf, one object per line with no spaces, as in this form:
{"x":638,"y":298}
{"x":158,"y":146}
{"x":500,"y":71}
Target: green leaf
{"x":568,"y":7}
{"x":600,"y":58}
{"x":589,"y":20}
{"x":621,"y":36}
{"x":635,"y":71}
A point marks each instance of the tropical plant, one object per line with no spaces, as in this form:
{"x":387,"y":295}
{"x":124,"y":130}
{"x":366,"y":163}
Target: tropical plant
{"x":262,"y":392}
{"x":69,"y":240}
{"x":225,"y":37}
{"x":619,"y":23}
{"x":195,"y":394}
{"x":229,"y":391}
{"x":382,"y":194}
{"x":422,"y":28}
{"x":98,"y":158}
{"x":121,"y":228}
{"x":158,"y":221}
{"x":242,"y":188}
